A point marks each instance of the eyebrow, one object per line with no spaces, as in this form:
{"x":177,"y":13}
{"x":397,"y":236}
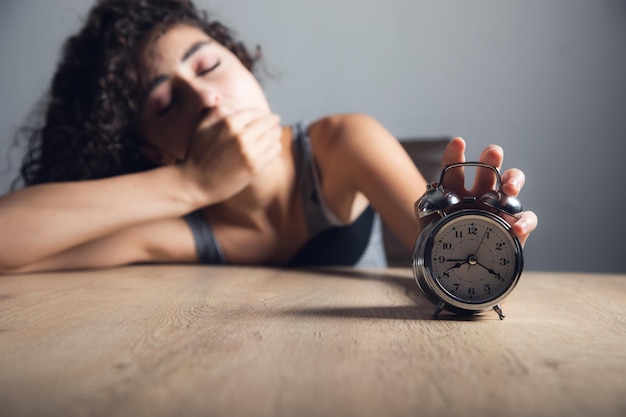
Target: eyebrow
{"x":159,"y":79}
{"x":193,"y":49}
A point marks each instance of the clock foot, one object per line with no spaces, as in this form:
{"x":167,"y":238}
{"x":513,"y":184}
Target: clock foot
{"x":440,"y":307}
{"x":498,"y":310}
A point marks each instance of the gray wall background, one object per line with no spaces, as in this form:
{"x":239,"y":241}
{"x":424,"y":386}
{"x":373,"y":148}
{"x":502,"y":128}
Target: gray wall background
{"x":546,"y":79}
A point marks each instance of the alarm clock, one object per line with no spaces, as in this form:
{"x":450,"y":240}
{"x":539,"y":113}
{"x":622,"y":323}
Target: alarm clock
{"x":467,"y":260}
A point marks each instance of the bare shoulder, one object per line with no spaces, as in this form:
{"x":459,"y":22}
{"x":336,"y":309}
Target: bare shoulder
{"x":340,"y":130}
{"x":356,"y":136}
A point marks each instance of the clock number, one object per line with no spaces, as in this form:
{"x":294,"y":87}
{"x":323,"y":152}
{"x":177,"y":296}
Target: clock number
{"x":472,"y":230}
{"x":499,"y":245}
{"x":445,"y":274}
{"x":456,"y":287}
{"x":504,"y":261}
{"x":488,"y":288}
{"x":441,"y":259}
{"x":471,"y":291}
{"x":446,"y":245}
{"x":458,"y":234}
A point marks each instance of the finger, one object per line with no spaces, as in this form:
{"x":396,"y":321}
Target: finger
{"x":228,"y":122}
{"x":524,"y":226}
{"x":256,"y":129}
{"x":492,"y":155}
{"x":261,"y":142}
{"x":512,"y":181}
{"x":270,"y":147}
{"x":222,"y":133}
{"x":222,"y":130}
{"x":240,"y":120}
{"x":453,"y":154}
{"x":216,"y":115}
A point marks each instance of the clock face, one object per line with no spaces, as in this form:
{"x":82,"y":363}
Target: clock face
{"x":473,"y":258}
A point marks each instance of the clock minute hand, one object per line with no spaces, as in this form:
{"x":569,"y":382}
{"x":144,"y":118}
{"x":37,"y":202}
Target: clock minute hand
{"x":491,"y":271}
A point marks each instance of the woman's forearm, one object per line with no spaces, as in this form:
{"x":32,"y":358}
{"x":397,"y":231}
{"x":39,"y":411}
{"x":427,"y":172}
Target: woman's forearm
{"x":41,"y":220}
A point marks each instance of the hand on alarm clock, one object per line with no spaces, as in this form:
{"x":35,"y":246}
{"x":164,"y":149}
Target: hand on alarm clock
{"x":512,"y":182}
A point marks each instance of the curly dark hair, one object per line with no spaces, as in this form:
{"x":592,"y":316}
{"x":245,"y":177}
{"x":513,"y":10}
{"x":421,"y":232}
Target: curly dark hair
{"x":89,"y":128}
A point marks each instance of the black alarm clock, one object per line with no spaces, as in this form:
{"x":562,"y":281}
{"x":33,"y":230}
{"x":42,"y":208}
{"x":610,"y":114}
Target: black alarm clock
{"x":467,"y":260}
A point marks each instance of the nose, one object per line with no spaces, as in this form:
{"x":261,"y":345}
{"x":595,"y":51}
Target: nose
{"x":207,"y":100}
{"x":203,"y":98}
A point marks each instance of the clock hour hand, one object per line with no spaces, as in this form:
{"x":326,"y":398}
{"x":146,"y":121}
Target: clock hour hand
{"x":459,"y":263}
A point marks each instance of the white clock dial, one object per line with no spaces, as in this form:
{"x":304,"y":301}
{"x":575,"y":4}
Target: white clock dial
{"x":473,"y":259}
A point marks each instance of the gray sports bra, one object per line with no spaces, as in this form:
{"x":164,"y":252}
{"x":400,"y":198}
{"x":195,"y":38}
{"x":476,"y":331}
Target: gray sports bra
{"x":357,"y":244}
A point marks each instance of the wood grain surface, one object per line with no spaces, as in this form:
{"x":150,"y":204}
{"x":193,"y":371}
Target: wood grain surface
{"x":233,"y":341}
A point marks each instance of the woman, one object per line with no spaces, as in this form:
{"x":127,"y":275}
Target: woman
{"x":160,"y":146}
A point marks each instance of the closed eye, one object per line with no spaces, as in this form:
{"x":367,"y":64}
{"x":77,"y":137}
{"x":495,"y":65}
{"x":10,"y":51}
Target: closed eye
{"x":209,"y":69}
{"x":168,"y":106}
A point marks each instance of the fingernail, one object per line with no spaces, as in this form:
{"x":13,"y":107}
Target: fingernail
{"x":514,"y":182}
{"x":522,"y":226}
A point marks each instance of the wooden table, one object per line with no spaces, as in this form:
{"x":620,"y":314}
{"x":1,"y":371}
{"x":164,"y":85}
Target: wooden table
{"x":231,"y":341}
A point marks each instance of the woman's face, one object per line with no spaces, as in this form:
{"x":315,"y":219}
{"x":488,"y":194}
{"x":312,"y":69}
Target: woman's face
{"x":190,"y":78}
